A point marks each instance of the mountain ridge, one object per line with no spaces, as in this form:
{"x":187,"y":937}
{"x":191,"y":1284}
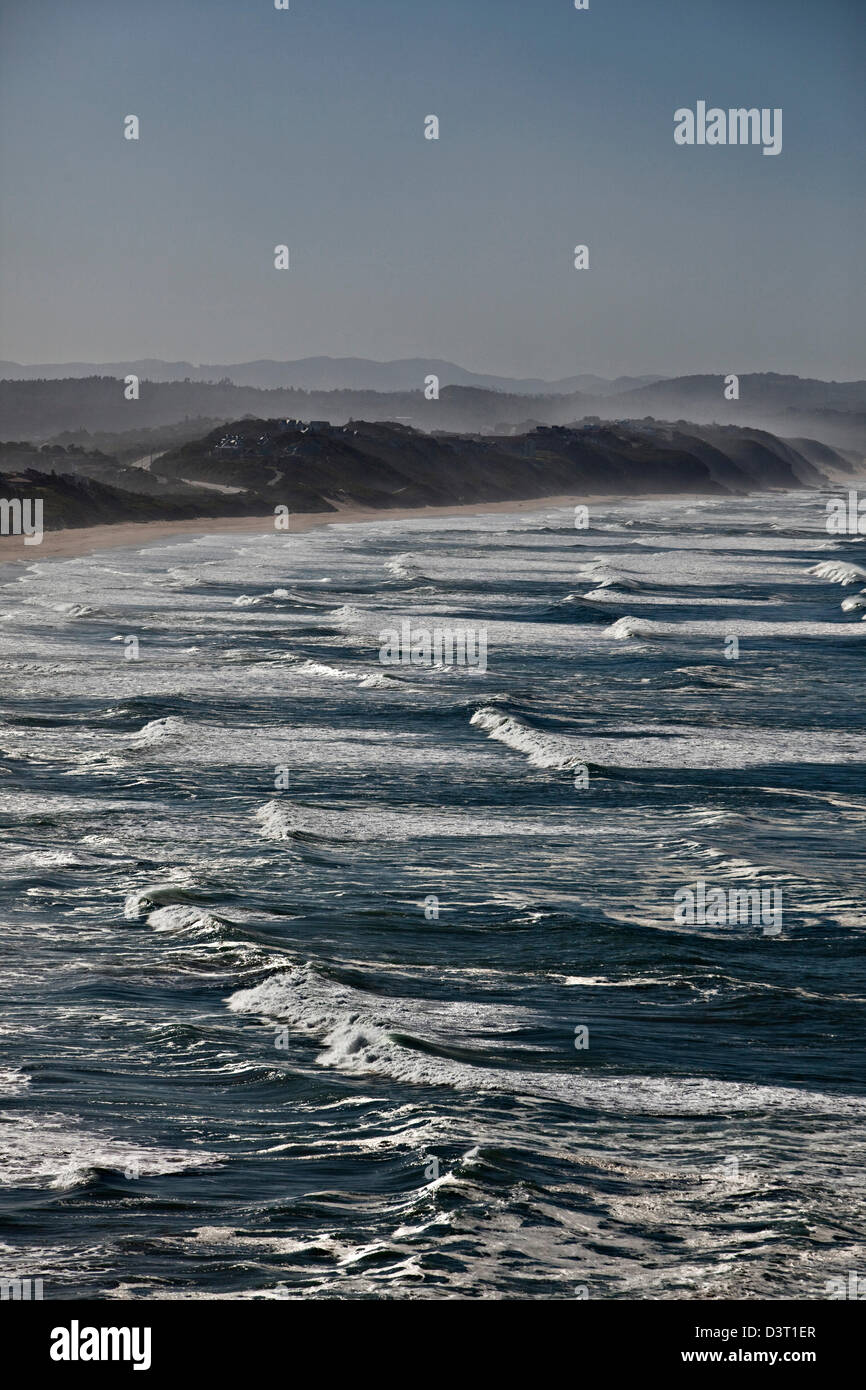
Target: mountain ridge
{"x":325,"y":373}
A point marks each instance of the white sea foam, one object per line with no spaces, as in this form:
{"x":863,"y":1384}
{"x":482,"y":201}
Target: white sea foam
{"x":651,"y":629}
{"x":373,"y":680}
{"x":13,"y":1082}
{"x":40,"y":859}
{"x":542,"y":749}
{"x":149,"y":895}
{"x":837,"y":572}
{"x":65,"y":610}
{"x":159,"y":731}
{"x":46,"y":1151}
{"x":365,"y":1034}
{"x":671,"y":745}
{"x":403,"y":567}
{"x":328,"y":673}
{"x":283,"y":820}
{"x":348,"y":613}
{"x":185,"y":578}
{"x":626,"y":627}
{"x":177,"y":918}
{"x":38,"y":804}
{"x":606,"y":576}
{"x":378,"y":682}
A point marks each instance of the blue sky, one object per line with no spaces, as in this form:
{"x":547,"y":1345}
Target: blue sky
{"x":305,"y":127}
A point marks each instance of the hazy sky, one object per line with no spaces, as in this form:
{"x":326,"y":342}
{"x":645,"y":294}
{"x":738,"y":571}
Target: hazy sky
{"x":306,"y":127}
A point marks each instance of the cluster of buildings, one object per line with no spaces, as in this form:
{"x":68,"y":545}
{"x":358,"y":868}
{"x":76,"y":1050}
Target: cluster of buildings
{"x":237,"y":445}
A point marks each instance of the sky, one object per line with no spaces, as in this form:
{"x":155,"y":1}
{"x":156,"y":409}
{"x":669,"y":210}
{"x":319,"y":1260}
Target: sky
{"x":261,"y":127}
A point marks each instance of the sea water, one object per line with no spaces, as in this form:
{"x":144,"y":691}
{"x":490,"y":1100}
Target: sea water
{"x":324,"y":977}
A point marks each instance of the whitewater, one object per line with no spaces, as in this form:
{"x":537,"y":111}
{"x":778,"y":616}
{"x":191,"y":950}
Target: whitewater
{"x":329,"y":979}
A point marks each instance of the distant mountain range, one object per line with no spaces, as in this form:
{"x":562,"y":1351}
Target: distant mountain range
{"x":327,"y":374}
{"x":250,"y":466}
{"x":768,"y":391}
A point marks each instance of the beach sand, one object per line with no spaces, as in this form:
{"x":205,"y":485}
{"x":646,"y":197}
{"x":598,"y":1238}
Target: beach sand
{"x":85,"y":540}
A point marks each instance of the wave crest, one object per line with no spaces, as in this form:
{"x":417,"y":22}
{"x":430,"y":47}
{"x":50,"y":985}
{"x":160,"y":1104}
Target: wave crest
{"x":543,"y":749}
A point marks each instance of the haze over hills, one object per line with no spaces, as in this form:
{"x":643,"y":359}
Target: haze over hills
{"x":392,"y":465}
{"x":326,"y":374}
{"x":769,"y":390}
{"x":790,"y":406}
{"x":251,"y":466}
{"x":396,"y":448}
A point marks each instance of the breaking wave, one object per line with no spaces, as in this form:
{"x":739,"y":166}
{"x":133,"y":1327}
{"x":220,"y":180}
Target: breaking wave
{"x":542,"y":749}
{"x":403,"y":567}
{"x":837,"y":573}
{"x":365,"y":1034}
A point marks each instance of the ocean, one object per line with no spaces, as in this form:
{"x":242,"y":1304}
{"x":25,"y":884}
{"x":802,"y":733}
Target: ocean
{"x":329,"y":977}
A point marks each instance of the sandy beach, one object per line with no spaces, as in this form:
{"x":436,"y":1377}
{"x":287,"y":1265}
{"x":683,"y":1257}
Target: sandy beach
{"x":85,"y":540}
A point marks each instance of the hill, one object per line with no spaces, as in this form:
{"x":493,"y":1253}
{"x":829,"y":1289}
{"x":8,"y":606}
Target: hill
{"x":40,"y":410}
{"x":251,"y":466}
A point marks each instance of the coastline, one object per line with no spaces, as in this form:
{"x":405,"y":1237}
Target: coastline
{"x":73,"y":542}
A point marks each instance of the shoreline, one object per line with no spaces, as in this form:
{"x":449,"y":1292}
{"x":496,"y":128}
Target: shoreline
{"x":73,"y":542}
